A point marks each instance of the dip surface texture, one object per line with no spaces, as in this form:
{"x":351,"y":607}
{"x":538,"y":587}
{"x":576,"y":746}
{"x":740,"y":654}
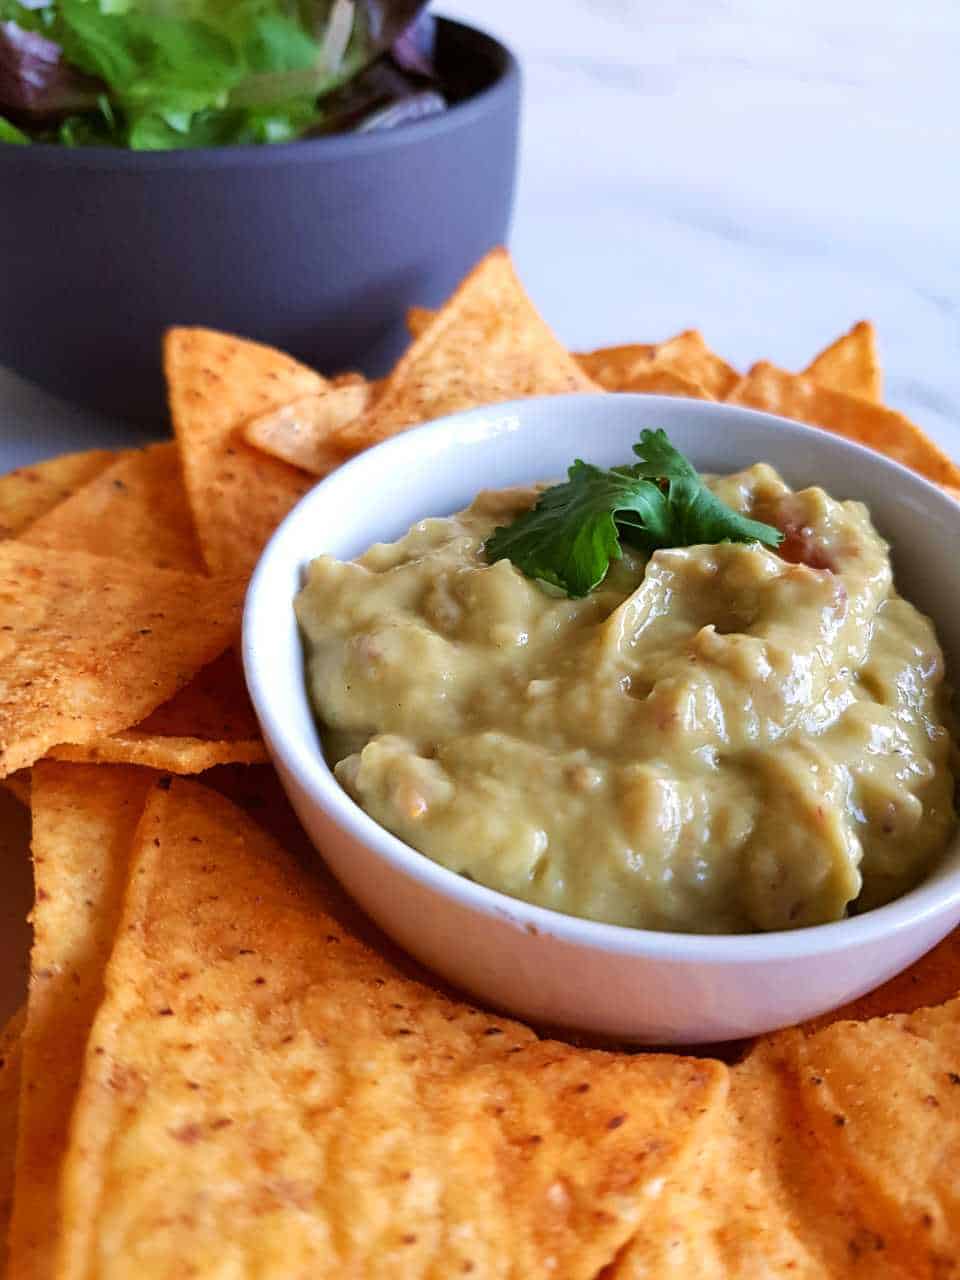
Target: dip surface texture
{"x":717,"y":739}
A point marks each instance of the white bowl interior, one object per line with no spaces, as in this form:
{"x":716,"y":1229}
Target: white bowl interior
{"x":437,"y":469}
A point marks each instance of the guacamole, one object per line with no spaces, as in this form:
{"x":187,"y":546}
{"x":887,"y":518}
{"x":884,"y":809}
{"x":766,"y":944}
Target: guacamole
{"x":717,"y":739}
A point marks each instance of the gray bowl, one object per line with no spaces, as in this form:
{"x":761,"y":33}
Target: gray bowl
{"x":317,"y":246}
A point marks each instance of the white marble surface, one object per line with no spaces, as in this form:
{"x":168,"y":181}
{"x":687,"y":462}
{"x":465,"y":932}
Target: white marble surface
{"x":768,"y":172}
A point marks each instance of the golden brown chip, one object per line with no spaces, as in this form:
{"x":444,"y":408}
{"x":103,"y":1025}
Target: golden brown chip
{"x":84,"y":819}
{"x":850,"y":364}
{"x":732,"y":1215}
{"x":616,"y":367}
{"x":211,"y":721}
{"x":686,"y":356}
{"x":10,"y":1057}
{"x":216,"y":383}
{"x":18,"y":784}
{"x":167,"y":752}
{"x":91,"y":645}
{"x":28,"y":492}
{"x":418,"y":318}
{"x":838,"y":1159}
{"x":664,"y":382}
{"x":794,"y":395}
{"x":135,"y":509}
{"x":486,"y":345}
{"x":261,"y":1091}
{"x":873,"y":1141}
{"x":300,"y":432}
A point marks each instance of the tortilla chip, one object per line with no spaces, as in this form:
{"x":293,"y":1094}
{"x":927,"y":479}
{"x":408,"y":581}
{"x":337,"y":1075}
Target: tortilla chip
{"x":797,"y":396}
{"x":263,"y":1093}
{"x":664,"y":382}
{"x":211,"y":721}
{"x":850,"y":364}
{"x":18,"y":784}
{"x":84,"y":819}
{"x":418,"y":318}
{"x":10,"y":1056}
{"x":486,"y":345}
{"x":687,"y":356}
{"x":839,"y":1159}
{"x":349,"y":378}
{"x":880,"y":1102}
{"x":615,"y":367}
{"x":27,"y":493}
{"x":238,"y":496}
{"x":170,"y":754}
{"x":953,"y":491}
{"x":732,"y":1216}
{"x":300,"y":432}
{"x":90,"y":645}
{"x":136,"y":509}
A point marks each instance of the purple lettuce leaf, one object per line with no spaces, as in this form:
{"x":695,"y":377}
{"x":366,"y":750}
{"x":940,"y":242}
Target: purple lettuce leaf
{"x":413,"y":50}
{"x":35,"y":81}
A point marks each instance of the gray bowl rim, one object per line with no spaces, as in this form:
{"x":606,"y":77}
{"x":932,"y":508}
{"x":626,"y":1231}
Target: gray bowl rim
{"x":335,"y":147}
{"x":935,"y":895}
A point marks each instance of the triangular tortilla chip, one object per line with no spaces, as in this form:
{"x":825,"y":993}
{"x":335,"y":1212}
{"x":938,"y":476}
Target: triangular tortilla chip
{"x":84,"y":819}
{"x":732,"y":1215}
{"x":664,"y":382}
{"x":850,"y":364}
{"x":615,"y":367}
{"x":838,"y":1158}
{"x":418,"y":318}
{"x":300,"y":432}
{"x":687,"y":356}
{"x":18,"y":784}
{"x":216,"y":383}
{"x":210,"y":721}
{"x":10,"y":1056}
{"x":486,"y":345}
{"x":28,"y":492}
{"x":881,"y":1103}
{"x":262,"y":1092}
{"x":794,"y":395}
{"x":184,"y":754}
{"x":135,"y":509}
{"x":91,"y":645}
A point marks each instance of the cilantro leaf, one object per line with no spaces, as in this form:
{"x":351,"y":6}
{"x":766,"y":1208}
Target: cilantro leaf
{"x":698,"y":514}
{"x":570,"y":536}
{"x":576,"y":529}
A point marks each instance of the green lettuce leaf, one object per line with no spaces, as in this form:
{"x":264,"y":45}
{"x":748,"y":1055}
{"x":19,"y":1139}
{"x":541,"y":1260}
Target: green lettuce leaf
{"x":10,"y":133}
{"x":188,"y":73}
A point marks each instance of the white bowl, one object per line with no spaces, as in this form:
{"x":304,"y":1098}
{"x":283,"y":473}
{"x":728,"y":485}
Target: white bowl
{"x":657,"y":988}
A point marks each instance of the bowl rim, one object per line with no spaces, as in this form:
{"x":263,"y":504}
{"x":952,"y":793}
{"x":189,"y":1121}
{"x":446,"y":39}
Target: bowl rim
{"x":937,"y":894}
{"x":331,"y":148}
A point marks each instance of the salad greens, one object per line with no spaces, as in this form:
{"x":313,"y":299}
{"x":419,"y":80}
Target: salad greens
{"x":156,"y":74}
{"x":576,"y":528}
